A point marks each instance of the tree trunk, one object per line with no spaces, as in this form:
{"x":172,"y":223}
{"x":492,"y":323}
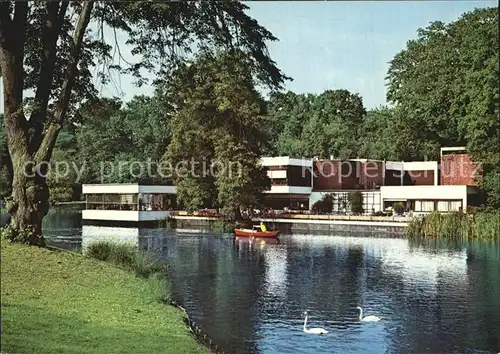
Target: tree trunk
{"x":237,"y":214}
{"x":28,"y":204}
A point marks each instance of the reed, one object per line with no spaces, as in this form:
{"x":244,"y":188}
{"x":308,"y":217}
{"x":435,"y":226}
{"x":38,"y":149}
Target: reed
{"x":455,"y":226}
{"x":123,"y":255}
{"x":487,"y":225}
{"x":160,"y":288}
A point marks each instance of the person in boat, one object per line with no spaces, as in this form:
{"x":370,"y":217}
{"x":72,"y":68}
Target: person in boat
{"x":262,"y":227}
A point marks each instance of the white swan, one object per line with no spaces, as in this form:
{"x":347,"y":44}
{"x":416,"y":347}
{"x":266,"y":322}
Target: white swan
{"x":367,"y":318}
{"x":313,"y":330}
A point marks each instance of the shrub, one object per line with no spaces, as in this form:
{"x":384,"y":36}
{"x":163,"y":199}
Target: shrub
{"x":325,"y":205}
{"x":99,"y":250}
{"x":160,"y":288}
{"x":398,"y":208}
{"x":356,"y":202}
{"x":456,"y":226}
{"x":487,"y":225}
{"x":143,"y":264}
{"x":146,"y":264}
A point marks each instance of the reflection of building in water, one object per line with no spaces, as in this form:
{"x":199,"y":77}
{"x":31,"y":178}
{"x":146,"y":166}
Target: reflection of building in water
{"x":398,"y":258}
{"x":153,"y":240}
{"x":116,"y":234}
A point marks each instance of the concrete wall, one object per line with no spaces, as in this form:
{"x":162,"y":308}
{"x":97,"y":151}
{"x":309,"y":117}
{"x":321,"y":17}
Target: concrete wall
{"x":123,"y":215}
{"x":285,"y":161}
{"x":126,"y":188}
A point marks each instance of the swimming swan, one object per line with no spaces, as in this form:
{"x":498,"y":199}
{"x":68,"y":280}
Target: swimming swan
{"x":367,"y":318}
{"x":313,"y":330}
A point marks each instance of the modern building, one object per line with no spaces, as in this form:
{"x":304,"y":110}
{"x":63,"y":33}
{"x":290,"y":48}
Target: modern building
{"x":291,"y":182}
{"x":127,"y":202}
{"x":420,"y":186}
{"x":298,"y":183}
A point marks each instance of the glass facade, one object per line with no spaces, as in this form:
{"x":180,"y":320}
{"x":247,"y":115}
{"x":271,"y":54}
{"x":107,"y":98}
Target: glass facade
{"x":136,"y":202}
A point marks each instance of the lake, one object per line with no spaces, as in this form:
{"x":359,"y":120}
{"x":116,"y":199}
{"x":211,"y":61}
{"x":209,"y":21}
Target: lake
{"x":433,"y":296}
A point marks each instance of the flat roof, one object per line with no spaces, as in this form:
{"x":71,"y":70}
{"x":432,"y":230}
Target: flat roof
{"x":286,"y":161}
{"x":127,"y":188}
{"x":454,"y":148}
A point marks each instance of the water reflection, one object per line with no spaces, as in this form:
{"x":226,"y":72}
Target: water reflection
{"x":434,"y":296}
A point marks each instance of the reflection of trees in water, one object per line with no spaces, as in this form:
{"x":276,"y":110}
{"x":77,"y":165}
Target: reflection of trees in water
{"x":60,"y":219}
{"x":437,"y":306}
{"x":483,"y":272}
{"x":218,"y":289}
{"x":455,"y":312}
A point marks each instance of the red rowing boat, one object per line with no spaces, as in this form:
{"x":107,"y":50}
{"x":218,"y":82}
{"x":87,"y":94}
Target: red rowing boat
{"x":252,"y":233}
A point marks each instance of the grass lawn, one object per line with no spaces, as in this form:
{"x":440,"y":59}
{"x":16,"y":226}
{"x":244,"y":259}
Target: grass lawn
{"x":57,"y":302}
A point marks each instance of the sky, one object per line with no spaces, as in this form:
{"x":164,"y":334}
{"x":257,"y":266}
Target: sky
{"x":336,"y":45}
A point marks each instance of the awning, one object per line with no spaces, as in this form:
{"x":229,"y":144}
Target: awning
{"x":395,"y":199}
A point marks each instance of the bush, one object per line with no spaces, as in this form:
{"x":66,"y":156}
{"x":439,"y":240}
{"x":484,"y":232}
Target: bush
{"x":126,"y":256}
{"x":99,"y":250}
{"x":356,"y":202}
{"x":487,"y":225}
{"x":325,"y":205}
{"x":160,"y":288}
{"x":398,"y":208}
{"x":456,"y":226}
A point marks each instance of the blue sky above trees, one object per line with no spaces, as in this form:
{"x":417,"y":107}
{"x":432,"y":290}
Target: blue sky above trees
{"x":335,"y":45}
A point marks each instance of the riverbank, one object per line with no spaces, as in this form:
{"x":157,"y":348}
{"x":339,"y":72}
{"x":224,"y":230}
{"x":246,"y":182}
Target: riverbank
{"x":62,"y":302}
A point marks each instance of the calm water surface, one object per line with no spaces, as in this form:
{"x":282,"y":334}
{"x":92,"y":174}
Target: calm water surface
{"x":434,"y":297}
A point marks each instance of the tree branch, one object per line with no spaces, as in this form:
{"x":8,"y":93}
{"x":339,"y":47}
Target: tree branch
{"x":44,"y":152}
{"x":51,"y":32}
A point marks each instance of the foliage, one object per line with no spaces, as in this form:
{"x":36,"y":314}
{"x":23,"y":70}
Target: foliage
{"x":216,"y":132}
{"x":457,"y":225}
{"x":125,"y":256}
{"x":314,"y":125}
{"x":87,"y":306}
{"x":487,"y":225}
{"x":52,"y":49}
{"x":380,"y":136}
{"x":325,"y":205}
{"x":444,"y":86}
{"x":356,"y":202}
{"x":124,"y":145}
{"x":398,"y":208}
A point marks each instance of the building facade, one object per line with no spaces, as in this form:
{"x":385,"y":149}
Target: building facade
{"x":291,"y":182}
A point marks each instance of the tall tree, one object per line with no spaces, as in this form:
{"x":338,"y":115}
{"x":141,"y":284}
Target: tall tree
{"x":49,"y":48}
{"x":216,"y":129}
{"x":380,"y":136}
{"x":315,"y":125}
{"x":125,"y":142}
{"x":445,"y":89}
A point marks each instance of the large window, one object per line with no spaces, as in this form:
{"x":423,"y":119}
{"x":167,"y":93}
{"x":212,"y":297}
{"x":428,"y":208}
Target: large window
{"x":112,"y":201}
{"x":143,"y":202}
{"x":449,"y":205}
{"x":154,"y":202}
{"x":424,"y":205}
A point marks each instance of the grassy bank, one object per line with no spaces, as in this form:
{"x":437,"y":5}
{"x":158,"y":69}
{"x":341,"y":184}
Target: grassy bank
{"x":483,"y":225}
{"x":62,"y":302}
